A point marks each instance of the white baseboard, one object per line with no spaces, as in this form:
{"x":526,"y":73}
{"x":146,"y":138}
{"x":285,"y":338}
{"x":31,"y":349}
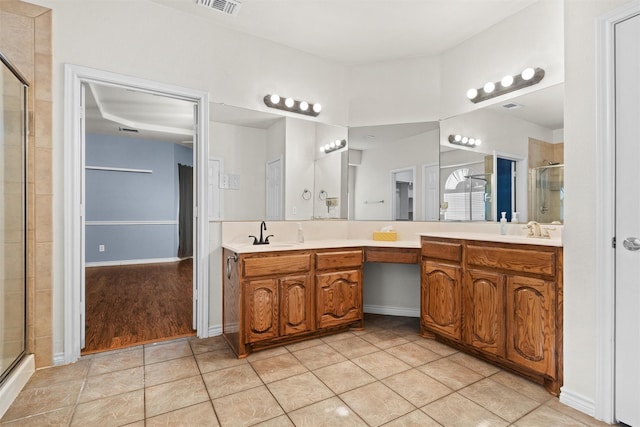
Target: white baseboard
{"x":131,"y":262}
{"x":577,"y":401}
{"x":214,"y":331}
{"x":58,"y":359}
{"x":15,"y":382}
{"x":392,"y":311}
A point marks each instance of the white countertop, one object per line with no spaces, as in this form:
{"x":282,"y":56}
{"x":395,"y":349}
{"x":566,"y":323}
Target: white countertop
{"x":490,"y":237}
{"x":319,"y":244}
{"x":278,"y":246}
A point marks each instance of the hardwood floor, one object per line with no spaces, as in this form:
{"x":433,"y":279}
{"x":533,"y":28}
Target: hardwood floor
{"x":135,"y":304}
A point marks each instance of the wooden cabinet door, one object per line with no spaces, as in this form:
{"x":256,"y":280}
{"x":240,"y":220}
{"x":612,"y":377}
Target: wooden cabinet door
{"x":338,"y":298}
{"x":261,"y":309}
{"x":483,"y":311}
{"x":296,"y":296}
{"x":531,"y":324}
{"x":440,"y":293}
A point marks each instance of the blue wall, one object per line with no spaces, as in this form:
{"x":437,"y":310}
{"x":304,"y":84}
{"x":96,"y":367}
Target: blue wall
{"x":127,"y":196}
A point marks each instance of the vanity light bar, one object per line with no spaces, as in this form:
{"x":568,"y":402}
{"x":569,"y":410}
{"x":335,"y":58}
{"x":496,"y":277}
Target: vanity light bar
{"x":528,"y":77}
{"x":465,"y":141}
{"x":333,"y":146}
{"x":290,"y":104}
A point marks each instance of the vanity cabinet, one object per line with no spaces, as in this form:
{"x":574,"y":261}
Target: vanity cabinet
{"x":498,"y":301}
{"x":339,"y":287}
{"x":440,"y":288}
{"x":440,"y":298}
{"x":275,"y":298}
{"x":277,"y":307}
{"x":483,"y":306}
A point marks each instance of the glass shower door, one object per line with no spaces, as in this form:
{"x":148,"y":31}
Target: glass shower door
{"x":13,"y":90}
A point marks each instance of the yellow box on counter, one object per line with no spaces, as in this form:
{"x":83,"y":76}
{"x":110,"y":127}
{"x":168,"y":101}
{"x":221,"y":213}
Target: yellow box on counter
{"x":386,"y":236}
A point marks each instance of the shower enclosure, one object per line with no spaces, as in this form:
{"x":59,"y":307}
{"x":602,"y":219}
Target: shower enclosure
{"x":13,"y":96}
{"x":546,"y":193}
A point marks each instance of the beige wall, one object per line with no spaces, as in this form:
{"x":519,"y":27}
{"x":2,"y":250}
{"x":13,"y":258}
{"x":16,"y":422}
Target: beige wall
{"x":25,"y":38}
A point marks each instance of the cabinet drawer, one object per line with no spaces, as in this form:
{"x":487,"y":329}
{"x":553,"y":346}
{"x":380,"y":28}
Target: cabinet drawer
{"x":511,"y":259}
{"x":339,"y":259}
{"x":276,"y":264}
{"x":394,"y":255}
{"x":449,"y":251}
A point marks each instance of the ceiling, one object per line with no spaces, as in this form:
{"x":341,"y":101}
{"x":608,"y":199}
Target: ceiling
{"x":361,"y":31}
{"x":111,"y":110}
{"x":347,"y":31}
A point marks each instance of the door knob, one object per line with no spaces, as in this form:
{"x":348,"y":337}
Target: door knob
{"x":631,"y":244}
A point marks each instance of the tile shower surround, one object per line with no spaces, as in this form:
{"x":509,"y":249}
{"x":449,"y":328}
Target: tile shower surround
{"x":384,"y":375}
{"x":25,"y":38}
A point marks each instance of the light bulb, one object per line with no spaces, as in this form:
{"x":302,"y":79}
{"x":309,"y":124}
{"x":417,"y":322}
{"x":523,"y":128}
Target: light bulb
{"x":274,"y":99}
{"x":472,"y":141}
{"x":458,"y":138}
{"x":472,"y":93}
{"x":304,"y":106}
{"x":332,"y":144}
{"x":317,"y":108}
{"x":465,"y":139}
{"x":326,"y":147}
{"x":322,"y":150}
{"x":288,"y":102}
{"x":478,"y":141}
{"x":528,"y":73}
{"x":506,"y":81}
{"x":341,"y":142}
{"x":489,"y":87}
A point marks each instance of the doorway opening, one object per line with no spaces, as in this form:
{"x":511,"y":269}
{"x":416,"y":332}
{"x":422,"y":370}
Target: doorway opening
{"x":132,"y":220}
{"x":506,"y":187}
{"x":138,"y":193}
{"x":402,"y":181}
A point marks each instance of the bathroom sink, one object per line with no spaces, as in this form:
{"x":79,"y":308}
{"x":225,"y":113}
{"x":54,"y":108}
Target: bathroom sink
{"x":280,"y":245}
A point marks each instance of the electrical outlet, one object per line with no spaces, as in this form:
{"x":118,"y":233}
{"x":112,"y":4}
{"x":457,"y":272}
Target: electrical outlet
{"x":100,"y":248}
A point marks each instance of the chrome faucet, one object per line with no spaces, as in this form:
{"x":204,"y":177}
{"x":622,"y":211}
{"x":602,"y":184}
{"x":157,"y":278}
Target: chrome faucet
{"x":536,"y":231}
{"x":262,"y":241}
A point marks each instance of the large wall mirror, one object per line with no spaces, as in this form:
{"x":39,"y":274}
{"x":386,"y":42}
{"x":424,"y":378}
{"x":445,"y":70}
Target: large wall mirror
{"x":412,"y":172}
{"x":393,"y":172}
{"x":268,"y":166}
{"x":517,"y":169}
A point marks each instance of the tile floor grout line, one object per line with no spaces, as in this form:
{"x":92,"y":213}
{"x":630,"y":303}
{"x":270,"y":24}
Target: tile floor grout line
{"x":410,"y":353}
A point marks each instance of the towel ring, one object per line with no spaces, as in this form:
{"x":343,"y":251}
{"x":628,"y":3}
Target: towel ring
{"x":306,"y":194}
{"x":322,"y":195}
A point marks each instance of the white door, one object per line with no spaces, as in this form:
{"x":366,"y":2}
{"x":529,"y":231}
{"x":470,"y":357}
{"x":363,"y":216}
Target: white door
{"x":274,"y":190}
{"x":627,"y":335}
{"x":431,"y":189}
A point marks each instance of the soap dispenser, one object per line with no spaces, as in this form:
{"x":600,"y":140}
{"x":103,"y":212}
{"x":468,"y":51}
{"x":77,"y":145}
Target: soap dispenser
{"x":503,"y":223}
{"x":300,"y":234}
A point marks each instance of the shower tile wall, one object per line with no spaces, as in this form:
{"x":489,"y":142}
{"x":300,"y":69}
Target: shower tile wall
{"x":540,"y":153}
{"x":25,"y":38}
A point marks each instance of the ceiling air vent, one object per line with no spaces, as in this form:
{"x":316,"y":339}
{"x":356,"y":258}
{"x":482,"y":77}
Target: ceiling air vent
{"x":512,"y":106}
{"x":228,"y":7}
{"x":121,"y":129}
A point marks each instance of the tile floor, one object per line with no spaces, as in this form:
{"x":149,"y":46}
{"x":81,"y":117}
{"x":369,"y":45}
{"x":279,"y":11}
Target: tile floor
{"x":385,"y":375}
